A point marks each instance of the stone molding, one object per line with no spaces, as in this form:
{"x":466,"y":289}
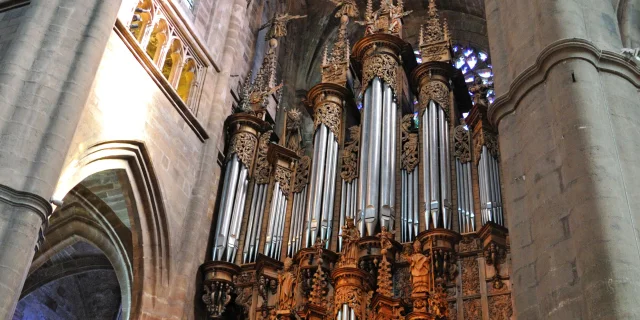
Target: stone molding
{"x":553,"y":54}
{"x":30,"y":201}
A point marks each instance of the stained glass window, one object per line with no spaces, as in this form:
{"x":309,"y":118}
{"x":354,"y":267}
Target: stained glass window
{"x":474,"y":64}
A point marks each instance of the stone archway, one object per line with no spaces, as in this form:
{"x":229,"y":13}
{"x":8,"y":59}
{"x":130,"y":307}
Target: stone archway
{"x":149,"y":261}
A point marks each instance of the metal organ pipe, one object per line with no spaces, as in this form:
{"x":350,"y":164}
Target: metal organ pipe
{"x":229,"y":193}
{"x":372,"y":195}
{"x":364,"y":159}
{"x":238,"y":210}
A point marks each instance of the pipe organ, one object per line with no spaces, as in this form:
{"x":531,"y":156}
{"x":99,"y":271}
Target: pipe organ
{"x":377,"y":217}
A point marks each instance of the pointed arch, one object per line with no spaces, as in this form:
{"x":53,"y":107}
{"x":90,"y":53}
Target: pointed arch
{"x":150,"y":233}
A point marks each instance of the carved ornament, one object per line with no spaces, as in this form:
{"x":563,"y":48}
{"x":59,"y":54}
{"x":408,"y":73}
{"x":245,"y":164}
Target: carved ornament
{"x":472,"y":309}
{"x":383,"y":66}
{"x":438,"y":304}
{"x":330,"y":115}
{"x":420,"y":266}
{"x":351,"y":296}
{"x":217,"y":294}
{"x":436,"y":91}
{"x":243,"y":144}
{"x":350,"y":155}
{"x":385,"y":284}
{"x":350,"y":252}
{"x":470,"y":276}
{"x":409,"y":159}
{"x":500,"y":307}
{"x":462,"y":144}
{"x":283,"y":176}
{"x":434,"y":37}
{"x":294,"y":135}
{"x":319,"y":287}
{"x":495,"y":256}
{"x":302,"y":174}
{"x":286,"y":290}
{"x":263,"y":168}
{"x":488,"y":139}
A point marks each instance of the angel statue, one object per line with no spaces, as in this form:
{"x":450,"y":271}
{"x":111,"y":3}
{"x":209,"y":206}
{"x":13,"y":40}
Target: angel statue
{"x":420,"y":269}
{"x":279,"y":25}
{"x":347,"y":8}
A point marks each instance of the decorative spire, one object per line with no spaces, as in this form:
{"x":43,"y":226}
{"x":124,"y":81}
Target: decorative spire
{"x":319,"y":282}
{"x":434,"y":37}
{"x":336,"y":66}
{"x":278,"y":25}
{"x":387,"y":19}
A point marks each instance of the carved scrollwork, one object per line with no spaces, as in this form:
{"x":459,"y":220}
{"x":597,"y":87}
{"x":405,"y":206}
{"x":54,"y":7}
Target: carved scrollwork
{"x":496,"y":257}
{"x":217,"y":295}
{"x":472,"y":309}
{"x":488,"y":139}
{"x":263,"y":168}
{"x":500,"y":307}
{"x":352,"y":296}
{"x":409,"y":159}
{"x":468,"y":244}
{"x":436,"y":91}
{"x":330,"y":115}
{"x":470,"y":274}
{"x":302,"y":174}
{"x":382,"y":66}
{"x":350,"y":155}
{"x":283,"y":176}
{"x":462,"y":143}
{"x":243,"y":145}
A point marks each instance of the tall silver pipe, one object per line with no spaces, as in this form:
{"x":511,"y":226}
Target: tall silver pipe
{"x":392,"y":171}
{"x":488,"y":183}
{"x":460,"y":196}
{"x":312,"y":190}
{"x":223,"y":205}
{"x":409,"y":206}
{"x":252,"y":214}
{"x":326,"y":193}
{"x":433,"y":165}
{"x":416,"y":215}
{"x":238,"y":210}
{"x":292,"y":226}
{"x":373,"y":175}
{"x":352,"y":314}
{"x":487,"y":190}
{"x":275,"y":196}
{"x":303,"y":204}
{"x":280,"y":226}
{"x":343,"y":210}
{"x":364,"y":157}
{"x":442,"y":169}
{"x":259,"y":217}
{"x":403,"y":206}
{"x":276,"y":227}
{"x":470,"y":213}
{"x":332,"y":189}
{"x":482,"y":190}
{"x":465,"y":194}
{"x":426,"y":165}
{"x":222,"y":228}
{"x":385,"y":158}
{"x":446,"y":199}
{"x":235,"y":232}
{"x":318,"y":184}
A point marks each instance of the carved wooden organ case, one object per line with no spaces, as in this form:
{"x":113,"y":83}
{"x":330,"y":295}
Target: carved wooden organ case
{"x":396,"y":214}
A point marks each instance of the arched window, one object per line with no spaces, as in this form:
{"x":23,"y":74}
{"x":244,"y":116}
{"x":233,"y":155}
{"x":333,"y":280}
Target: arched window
{"x":172,"y":61}
{"x":474,"y":64}
{"x":142,"y":19}
{"x":157,"y":40}
{"x":187,"y":80}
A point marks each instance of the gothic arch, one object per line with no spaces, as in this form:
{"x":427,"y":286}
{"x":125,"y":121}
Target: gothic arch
{"x":149,"y":223}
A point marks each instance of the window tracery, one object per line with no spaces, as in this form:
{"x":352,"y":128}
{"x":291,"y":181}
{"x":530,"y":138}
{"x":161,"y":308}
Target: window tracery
{"x":473,"y":64}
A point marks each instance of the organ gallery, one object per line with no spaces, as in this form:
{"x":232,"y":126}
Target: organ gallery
{"x":394,"y":210}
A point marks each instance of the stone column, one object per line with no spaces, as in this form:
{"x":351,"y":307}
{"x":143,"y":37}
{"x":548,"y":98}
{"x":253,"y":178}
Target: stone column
{"x":568,"y":112}
{"x":48,"y":65}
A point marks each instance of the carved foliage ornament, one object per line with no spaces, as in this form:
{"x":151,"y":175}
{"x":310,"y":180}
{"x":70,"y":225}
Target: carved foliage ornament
{"x":302,"y":174}
{"x":472,"y":309}
{"x":217,"y":295}
{"x":462,"y":149}
{"x":263,"y":168}
{"x":350,"y":155}
{"x":500,"y":307}
{"x":329,"y":114}
{"x":243,"y":145}
{"x":382,"y":66}
{"x":436,"y":91}
{"x":351,"y":296}
{"x":470,"y":274}
{"x":409,"y":159}
{"x":283,"y":176}
{"x":488,"y":139}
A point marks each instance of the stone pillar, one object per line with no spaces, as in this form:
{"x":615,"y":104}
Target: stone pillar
{"x":48,"y":65}
{"x":567,"y":112}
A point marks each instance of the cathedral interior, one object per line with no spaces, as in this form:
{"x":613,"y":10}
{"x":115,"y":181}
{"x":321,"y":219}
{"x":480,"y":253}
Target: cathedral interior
{"x":319,"y":159}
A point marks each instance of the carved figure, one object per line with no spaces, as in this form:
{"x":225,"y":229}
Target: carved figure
{"x":479,"y":91}
{"x":350,"y":237}
{"x":420,"y":269}
{"x":385,"y":240}
{"x":347,"y":8}
{"x":279,"y":25}
{"x":294,"y":122}
{"x":287,"y":281}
